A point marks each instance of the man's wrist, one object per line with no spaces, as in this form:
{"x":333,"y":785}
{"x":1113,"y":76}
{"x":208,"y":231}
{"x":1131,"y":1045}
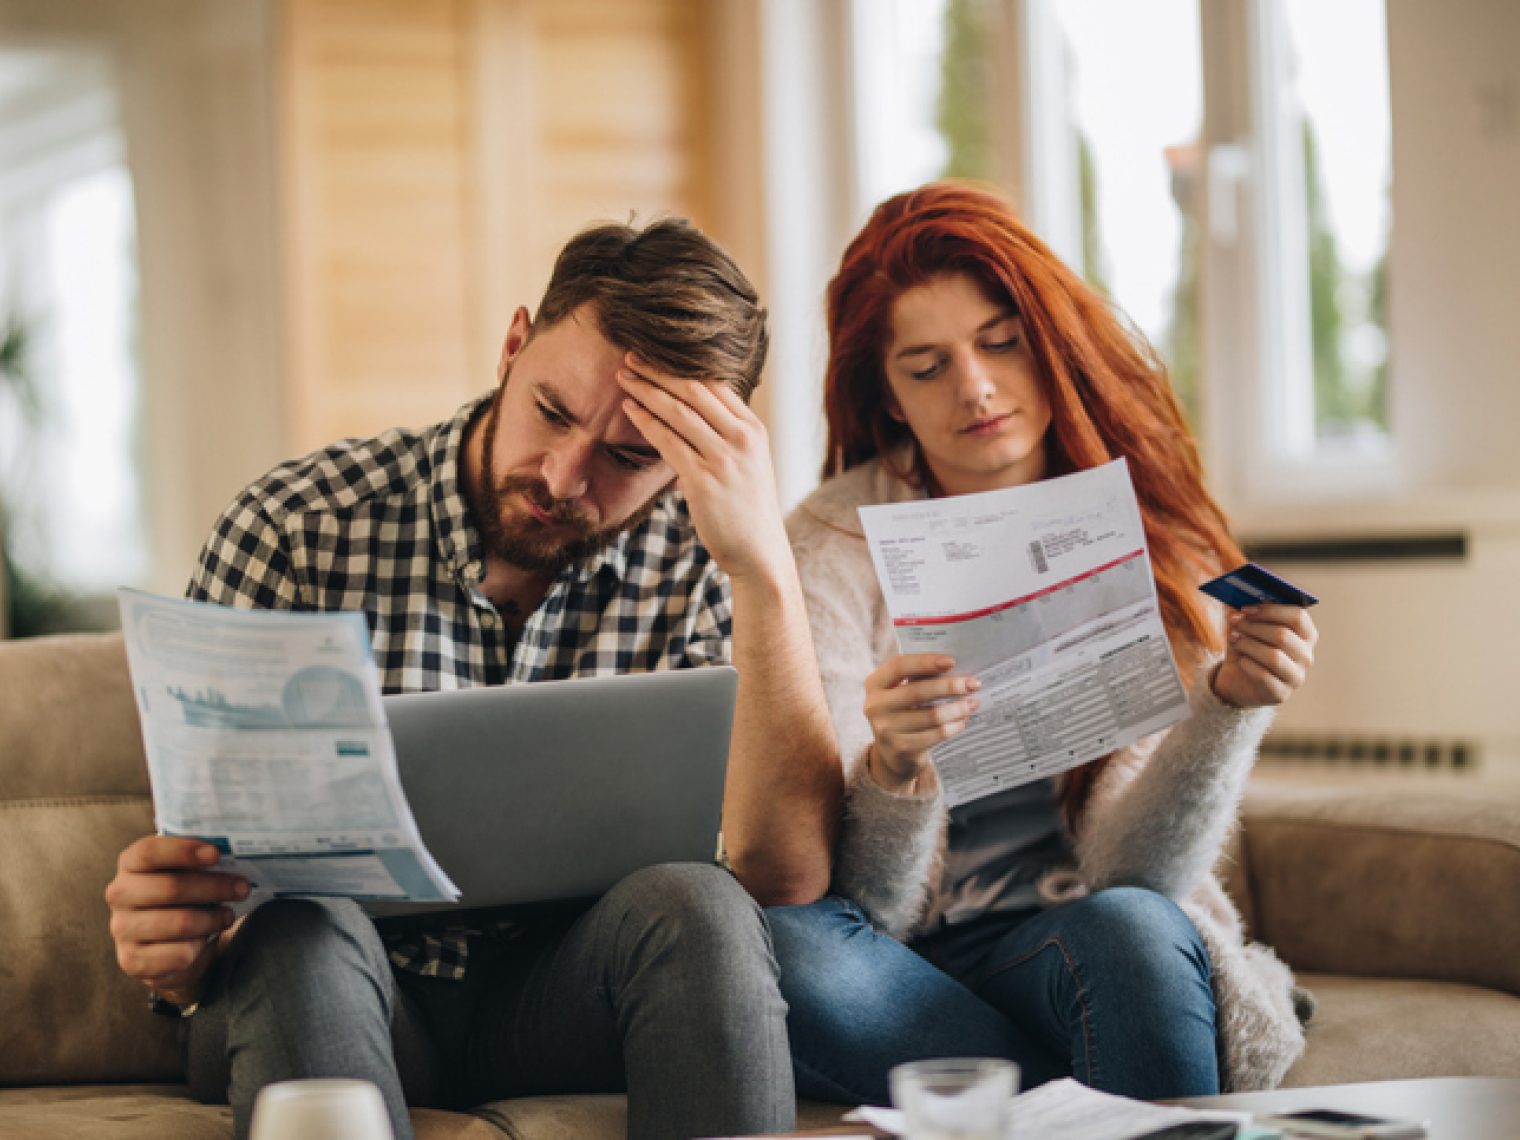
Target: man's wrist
{"x":168,"y":1007}
{"x":769,"y":580}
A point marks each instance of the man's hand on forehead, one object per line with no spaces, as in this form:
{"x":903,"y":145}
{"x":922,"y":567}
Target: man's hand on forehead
{"x":642,"y":368}
{"x":683,"y":404}
{"x":720,"y":452}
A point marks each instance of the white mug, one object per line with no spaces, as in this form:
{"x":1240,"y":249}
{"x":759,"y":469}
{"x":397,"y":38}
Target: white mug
{"x":320,"y":1110}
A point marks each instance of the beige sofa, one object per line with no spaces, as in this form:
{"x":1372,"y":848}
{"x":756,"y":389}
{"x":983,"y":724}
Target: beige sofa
{"x":1402,"y":915}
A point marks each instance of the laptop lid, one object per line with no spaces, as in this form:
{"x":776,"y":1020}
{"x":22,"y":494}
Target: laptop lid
{"x":556,"y":790}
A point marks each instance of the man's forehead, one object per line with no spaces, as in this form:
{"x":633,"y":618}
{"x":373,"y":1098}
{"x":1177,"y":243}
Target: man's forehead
{"x":597,"y":406}
{"x":574,"y":370}
{"x":576,"y":342}
{"x":573,"y":359}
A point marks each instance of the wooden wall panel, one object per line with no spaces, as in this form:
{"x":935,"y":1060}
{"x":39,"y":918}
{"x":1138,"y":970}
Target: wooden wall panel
{"x":437,"y":155}
{"x":603,"y":116}
{"x":378,"y":159}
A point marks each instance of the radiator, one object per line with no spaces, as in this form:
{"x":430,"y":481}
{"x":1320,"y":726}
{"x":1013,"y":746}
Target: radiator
{"x":1373,"y":754}
{"x":1418,"y":665}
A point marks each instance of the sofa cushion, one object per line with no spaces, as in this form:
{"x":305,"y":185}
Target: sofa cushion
{"x":153,"y":1112}
{"x":1388,"y":883}
{"x":157,"y":1112}
{"x":583,"y":1117}
{"x":73,"y":793}
{"x":128,"y":1112}
{"x":1373,"y":1029}
{"x":67,"y":1013}
{"x":68,"y":723}
{"x":558,"y":1117}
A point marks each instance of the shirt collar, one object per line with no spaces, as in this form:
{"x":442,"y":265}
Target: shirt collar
{"x":456,"y":535}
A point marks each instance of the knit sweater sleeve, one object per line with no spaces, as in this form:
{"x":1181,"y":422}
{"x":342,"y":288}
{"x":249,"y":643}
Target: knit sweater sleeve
{"x":1162,"y":822}
{"x":887,"y":842}
{"x":888,"y":852}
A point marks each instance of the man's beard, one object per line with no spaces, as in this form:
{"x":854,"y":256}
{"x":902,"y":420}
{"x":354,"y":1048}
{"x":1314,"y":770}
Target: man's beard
{"x":520,"y":539}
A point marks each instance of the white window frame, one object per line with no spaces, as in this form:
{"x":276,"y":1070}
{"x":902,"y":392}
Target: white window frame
{"x":1257,"y":359}
{"x":1278,"y":460}
{"x":79,"y":136}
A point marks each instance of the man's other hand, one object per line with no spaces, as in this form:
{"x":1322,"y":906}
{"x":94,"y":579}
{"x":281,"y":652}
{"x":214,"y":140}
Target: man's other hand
{"x":167,"y":914}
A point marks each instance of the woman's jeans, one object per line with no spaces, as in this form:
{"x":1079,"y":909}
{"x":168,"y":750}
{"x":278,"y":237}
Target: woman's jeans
{"x":1112,"y":989}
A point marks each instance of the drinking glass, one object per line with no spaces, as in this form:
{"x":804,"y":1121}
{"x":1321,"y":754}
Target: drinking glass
{"x":959,"y":1098}
{"x":320,"y":1110}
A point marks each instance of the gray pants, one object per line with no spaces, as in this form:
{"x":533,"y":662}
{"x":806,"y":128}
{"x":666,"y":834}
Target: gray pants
{"x":665,"y":988}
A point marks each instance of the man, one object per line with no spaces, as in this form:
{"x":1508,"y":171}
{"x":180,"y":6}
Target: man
{"x":536,"y":535}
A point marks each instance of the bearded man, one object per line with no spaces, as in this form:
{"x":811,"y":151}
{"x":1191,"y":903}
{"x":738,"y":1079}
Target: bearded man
{"x":609,"y":508}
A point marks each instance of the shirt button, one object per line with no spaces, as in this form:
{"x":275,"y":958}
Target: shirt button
{"x":472,"y":569}
{"x":490,"y":621}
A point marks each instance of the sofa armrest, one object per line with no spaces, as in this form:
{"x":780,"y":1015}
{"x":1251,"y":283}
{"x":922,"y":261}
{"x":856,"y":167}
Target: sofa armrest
{"x":73,"y":793}
{"x":1412,"y":882}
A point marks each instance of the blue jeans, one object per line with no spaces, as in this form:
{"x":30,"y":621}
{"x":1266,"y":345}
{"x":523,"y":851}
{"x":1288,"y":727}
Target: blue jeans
{"x":665,"y":988}
{"x":1112,"y":989}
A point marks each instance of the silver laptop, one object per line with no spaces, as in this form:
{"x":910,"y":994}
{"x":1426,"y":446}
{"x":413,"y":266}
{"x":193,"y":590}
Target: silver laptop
{"x":555,"y":790}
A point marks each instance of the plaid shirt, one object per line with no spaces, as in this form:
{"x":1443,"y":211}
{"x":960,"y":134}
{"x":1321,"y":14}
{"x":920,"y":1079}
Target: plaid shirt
{"x":381,"y":525}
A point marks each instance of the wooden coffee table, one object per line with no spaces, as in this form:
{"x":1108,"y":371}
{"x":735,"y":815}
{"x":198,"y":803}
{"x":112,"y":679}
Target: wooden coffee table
{"x":1458,"y":1108}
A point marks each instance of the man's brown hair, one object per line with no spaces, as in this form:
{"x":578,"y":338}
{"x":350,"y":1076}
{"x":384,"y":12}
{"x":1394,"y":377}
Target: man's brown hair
{"x":668,"y":293}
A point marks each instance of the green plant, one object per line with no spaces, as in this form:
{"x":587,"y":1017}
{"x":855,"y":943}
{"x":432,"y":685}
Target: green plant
{"x":15,"y":367}
{"x":18,"y":394}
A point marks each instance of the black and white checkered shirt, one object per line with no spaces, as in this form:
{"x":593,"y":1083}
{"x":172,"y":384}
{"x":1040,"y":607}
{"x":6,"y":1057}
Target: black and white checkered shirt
{"x":381,"y":525}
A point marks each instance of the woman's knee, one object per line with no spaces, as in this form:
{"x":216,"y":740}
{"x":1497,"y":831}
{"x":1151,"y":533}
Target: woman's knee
{"x":836,"y":967}
{"x":1133,"y":930}
{"x":829,"y":949}
{"x":817,"y":929}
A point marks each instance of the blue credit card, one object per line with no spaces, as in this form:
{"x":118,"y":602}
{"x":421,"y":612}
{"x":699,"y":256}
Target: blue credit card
{"x":1251,"y":585}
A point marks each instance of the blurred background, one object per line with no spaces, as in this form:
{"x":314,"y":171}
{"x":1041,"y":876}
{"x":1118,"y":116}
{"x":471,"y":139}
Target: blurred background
{"x":232,"y":231}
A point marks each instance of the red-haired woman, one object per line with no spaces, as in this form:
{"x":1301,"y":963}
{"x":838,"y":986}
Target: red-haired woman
{"x":1073,"y":924}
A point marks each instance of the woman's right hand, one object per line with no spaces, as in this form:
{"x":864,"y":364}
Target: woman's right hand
{"x":914,"y":702}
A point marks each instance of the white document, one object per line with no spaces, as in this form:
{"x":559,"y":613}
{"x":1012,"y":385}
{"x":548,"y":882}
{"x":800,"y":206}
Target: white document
{"x":266,"y":736}
{"x":1072,"y":1111}
{"x":1044,"y":593}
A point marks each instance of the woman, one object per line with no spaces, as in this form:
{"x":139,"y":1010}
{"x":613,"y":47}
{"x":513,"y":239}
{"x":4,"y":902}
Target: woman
{"x":1072,"y":924}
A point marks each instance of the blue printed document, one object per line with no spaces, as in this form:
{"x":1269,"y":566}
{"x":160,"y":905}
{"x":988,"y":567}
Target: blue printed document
{"x":266,"y":736}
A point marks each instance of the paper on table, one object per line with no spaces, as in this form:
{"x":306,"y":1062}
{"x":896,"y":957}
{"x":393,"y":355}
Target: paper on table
{"x":1045,"y":593}
{"x":1072,"y":1111}
{"x":266,"y":736}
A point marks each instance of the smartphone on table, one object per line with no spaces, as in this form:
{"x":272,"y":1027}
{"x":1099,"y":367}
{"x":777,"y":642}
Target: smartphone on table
{"x":1328,"y":1122}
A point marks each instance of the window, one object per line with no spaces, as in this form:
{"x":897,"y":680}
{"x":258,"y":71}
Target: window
{"x":1330,"y":62}
{"x":900,"y":54}
{"x":1133,"y":99}
{"x":69,"y":495}
{"x":1221,"y":170}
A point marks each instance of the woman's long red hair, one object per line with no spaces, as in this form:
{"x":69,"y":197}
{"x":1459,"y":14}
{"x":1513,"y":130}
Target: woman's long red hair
{"x":1108,"y":390}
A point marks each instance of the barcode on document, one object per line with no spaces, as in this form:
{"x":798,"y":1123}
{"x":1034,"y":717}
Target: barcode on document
{"x":1037,"y":557}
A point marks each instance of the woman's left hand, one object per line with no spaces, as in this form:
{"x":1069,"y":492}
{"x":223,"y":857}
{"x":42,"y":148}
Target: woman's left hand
{"x":1270,"y":650}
